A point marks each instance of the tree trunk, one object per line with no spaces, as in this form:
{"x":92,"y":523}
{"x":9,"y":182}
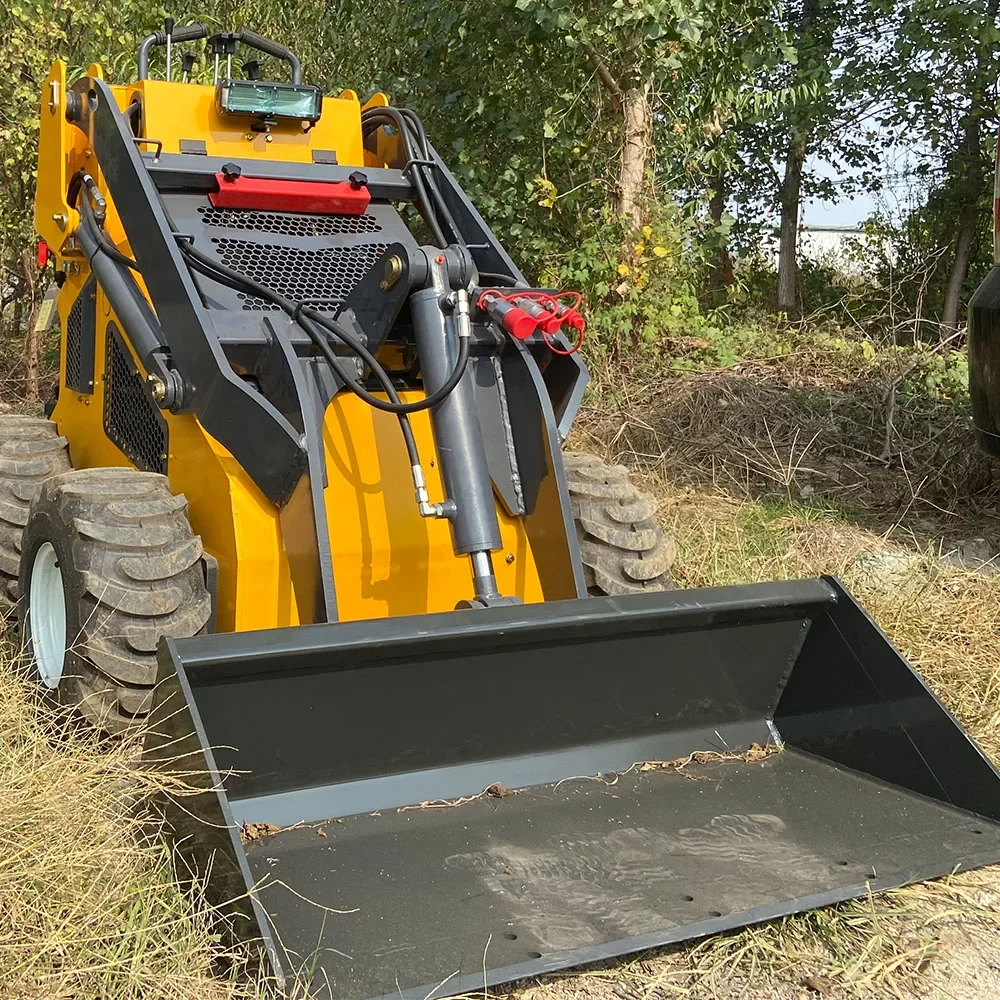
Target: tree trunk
{"x":720,"y":267}
{"x":32,"y":353}
{"x":636,"y":137}
{"x":791,"y":185}
{"x":974,"y":180}
{"x":791,"y":190}
{"x":635,"y":153}
{"x":17,"y":314}
{"x":959,"y":269}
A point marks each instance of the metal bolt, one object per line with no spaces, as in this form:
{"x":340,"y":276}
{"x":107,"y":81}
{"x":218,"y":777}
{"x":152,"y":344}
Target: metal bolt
{"x":268,"y":137}
{"x":87,"y":154}
{"x":157,"y":387}
{"x":391,"y":272}
{"x":510,"y":558}
{"x":249,"y":137}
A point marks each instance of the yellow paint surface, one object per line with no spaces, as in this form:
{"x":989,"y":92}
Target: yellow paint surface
{"x":175,"y":111}
{"x":387,"y":560}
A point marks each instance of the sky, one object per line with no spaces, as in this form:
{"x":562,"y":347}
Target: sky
{"x":846,"y":212}
{"x":899,"y":193}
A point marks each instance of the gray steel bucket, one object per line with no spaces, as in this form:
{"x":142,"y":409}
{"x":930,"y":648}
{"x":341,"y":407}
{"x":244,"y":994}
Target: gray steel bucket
{"x":428,"y":797}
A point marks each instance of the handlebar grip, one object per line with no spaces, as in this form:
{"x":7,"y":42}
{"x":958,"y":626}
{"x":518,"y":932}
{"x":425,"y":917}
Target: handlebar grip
{"x":189,"y":32}
{"x":275,"y":49}
{"x":185,"y":33}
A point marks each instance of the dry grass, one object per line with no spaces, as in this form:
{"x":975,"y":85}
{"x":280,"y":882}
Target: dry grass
{"x":769,"y":470}
{"x":89,"y":905}
{"x":916,"y":941}
{"x":811,"y":428}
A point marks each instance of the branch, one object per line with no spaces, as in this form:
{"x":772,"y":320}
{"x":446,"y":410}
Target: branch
{"x":890,"y":394}
{"x":602,"y":71}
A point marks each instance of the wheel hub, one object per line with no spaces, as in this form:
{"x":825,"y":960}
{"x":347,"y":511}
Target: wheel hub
{"x":47,"y":615}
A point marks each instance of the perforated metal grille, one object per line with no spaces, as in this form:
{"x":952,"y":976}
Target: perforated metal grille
{"x":322,"y":277}
{"x":81,"y":323}
{"x":74,"y":334}
{"x":131,"y":419}
{"x":289,"y":223}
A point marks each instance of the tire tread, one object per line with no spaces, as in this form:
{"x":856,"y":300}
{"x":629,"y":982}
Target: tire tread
{"x":136,"y":575}
{"x":623,"y":548}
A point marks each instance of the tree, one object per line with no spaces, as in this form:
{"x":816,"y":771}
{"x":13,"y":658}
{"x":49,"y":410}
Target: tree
{"x":942,"y":87}
{"x":691,"y":65}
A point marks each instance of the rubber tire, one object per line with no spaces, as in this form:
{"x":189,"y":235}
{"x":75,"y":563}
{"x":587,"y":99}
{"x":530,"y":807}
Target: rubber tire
{"x":31,"y":450}
{"x":623,"y":547}
{"x":132,"y":572}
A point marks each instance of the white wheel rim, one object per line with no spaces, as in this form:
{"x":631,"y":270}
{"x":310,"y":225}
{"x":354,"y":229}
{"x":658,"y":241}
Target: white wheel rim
{"x":47,"y":614}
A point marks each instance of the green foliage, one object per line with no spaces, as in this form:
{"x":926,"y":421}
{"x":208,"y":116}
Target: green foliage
{"x":523,"y":100}
{"x":531,"y":120}
{"x":33,"y":32}
{"x":639,"y":296}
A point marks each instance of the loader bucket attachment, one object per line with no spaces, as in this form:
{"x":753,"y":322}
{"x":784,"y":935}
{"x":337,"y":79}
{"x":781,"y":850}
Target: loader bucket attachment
{"x":428,"y":804}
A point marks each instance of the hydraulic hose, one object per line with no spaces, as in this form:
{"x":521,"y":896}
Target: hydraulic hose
{"x":300,"y":310}
{"x":420,"y":166}
{"x":137,"y":319}
{"x":374,"y":118}
{"x":98,"y":235}
{"x":310,"y":321}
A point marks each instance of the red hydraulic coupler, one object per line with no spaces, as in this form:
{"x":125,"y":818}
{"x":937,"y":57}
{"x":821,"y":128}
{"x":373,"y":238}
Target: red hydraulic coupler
{"x":545,"y":318}
{"x":569,"y":316}
{"x":514,"y":320}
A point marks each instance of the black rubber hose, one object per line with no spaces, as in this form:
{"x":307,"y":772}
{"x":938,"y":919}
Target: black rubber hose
{"x":421,"y":136}
{"x":98,"y":235}
{"x":492,"y":278}
{"x":136,"y":316}
{"x":461,"y":362}
{"x":240,"y":285}
{"x":373,"y":119}
{"x":406,"y":430}
{"x":430,"y":201}
{"x":297,"y":310}
{"x":305,"y":317}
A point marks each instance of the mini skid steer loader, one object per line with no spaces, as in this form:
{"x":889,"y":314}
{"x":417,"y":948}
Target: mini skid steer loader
{"x":300,"y":509}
